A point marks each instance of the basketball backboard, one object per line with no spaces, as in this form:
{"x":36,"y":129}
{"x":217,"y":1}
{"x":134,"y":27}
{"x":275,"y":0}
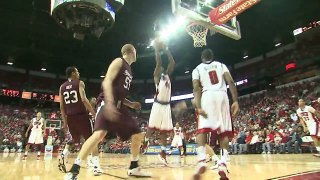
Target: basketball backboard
{"x":198,"y":11}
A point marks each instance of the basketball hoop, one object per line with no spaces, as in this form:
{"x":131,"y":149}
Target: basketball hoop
{"x":198,"y":33}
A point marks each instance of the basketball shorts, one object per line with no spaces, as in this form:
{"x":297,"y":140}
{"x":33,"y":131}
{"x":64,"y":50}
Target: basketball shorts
{"x":79,"y":126}
{"x":35,"y":137}
{"x":314,"y":128}
{"x":160,"y":117}
{"x":216,"y":105}
{"x":177,"y":141}
{"x":124,"y":128}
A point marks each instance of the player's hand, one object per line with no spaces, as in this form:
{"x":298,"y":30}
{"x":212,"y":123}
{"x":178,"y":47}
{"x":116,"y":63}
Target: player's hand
{"x":235,"y":108}
{"x":135,"y":106}
{"x":202,"y":113}
{"x":111,"y":112}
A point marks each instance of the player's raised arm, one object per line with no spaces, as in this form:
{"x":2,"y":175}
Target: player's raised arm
{"x":157,"y":70}
{"x":233,"y":90}
{"x":112,"y":73}
{"x":172,"y":63}
{"x":62,"y":110}
{"x":84,"y":99}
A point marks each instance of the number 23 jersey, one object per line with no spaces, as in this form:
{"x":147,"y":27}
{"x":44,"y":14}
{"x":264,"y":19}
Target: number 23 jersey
{"x":210,"y":75}
{"x":71,"y":98}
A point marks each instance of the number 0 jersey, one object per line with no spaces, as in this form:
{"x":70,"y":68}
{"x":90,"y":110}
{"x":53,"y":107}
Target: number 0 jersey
{"x":210,"y":75}
{"x":71,"y":98}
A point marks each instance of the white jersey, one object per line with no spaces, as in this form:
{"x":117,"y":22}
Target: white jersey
{"x":177,"y":131}
{"x":37,"y":125}
{"x":164,"y":89}
{"x":307,"y":113}
{"x":211,"y":76}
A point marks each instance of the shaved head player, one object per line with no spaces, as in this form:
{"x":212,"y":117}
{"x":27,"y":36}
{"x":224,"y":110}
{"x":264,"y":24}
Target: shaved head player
{"x":112,"y":114}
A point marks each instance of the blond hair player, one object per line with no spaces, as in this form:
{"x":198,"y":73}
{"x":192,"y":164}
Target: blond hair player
{"x":210,"y":90}
{"x":160,"y":116}
{"x":38,"y":127}
{"x":309,"y":119}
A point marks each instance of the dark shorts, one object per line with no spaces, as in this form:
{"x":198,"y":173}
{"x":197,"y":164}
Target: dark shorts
{"x":79,"y":126}
{"x":124,"y":128}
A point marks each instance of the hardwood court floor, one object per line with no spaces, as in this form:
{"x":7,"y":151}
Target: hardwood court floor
{"x":244,"y":167}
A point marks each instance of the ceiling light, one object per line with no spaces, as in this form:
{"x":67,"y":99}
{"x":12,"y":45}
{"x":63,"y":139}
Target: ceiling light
{"x":43,"y":69}
{"x":186,"y":72}
{"x":10,"y":63}
{"x":102,"y":76}
{"x":245,"y":57}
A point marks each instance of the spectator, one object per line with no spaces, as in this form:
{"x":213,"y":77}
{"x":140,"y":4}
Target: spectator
{"x":252,"y":146}
{"x":277,"y":143}
{"x":294,"y":140}
{"x":268,"y":142}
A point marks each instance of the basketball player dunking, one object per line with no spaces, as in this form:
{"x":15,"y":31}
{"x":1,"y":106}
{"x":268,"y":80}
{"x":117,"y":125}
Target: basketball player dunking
{"x":112,"y":114}
{"x":160,"y":116}
{"x":212,"y":103}
{"x":74,"y":107}
{"x":38,"y":127}
{"x":310,"y":120}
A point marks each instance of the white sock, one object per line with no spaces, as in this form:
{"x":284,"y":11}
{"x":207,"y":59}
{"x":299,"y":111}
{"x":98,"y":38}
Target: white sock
{"x":201,"y":153}
{"x":318,"y":149}
{"x":65,"y":152}
{"x":38,"y":153}
{"x":215,"y":158}
{"x":96,"y":161}
{"x":26,"y":153}
{"x":224,"y":155}
{"x":78,"y":161}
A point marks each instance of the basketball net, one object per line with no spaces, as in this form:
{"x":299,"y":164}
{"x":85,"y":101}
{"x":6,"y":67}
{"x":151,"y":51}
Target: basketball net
{"x":198,"y":33}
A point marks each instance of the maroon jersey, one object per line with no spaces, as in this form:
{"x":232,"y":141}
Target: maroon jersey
{"x":71,"y":98}
{"x":121,"y":84}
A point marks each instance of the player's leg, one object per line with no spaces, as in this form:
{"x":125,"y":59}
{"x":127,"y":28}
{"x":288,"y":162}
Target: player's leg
{"x":26,"y":151}
{"x":316,"y":141}
{"x":201,"y":154}
{"x":163,"y":142}
{"x":69,"y":145}
{"x":86,"y":149}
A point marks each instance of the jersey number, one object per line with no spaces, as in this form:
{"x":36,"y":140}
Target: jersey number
{"x":70,"y":97}
{"x":127,"y":82}
{"x":213,"y":77}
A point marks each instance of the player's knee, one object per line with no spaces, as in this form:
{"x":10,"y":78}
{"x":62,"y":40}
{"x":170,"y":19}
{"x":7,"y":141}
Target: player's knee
{"x":99,"y":135}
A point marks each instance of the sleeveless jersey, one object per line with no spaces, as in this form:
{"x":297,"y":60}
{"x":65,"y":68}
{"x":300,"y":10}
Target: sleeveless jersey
{"x":71,"y":98}
{"x":211,"y":76}
{"x":307,"y":113}
{"x":163,"y":89}
{"x":121,"y":84}
{"x":37,"y":125}
{"x":177,"y":131}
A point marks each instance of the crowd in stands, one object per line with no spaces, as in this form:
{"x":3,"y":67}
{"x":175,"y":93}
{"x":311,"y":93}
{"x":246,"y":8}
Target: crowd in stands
{"x":267,"y":123}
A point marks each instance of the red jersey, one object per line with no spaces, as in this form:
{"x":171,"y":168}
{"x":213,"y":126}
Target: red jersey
{"x":121,"y":84}
{"x":71,"y":98}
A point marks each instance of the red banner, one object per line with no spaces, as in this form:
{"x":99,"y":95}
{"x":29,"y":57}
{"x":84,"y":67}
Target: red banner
{"x":230,"y":9}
